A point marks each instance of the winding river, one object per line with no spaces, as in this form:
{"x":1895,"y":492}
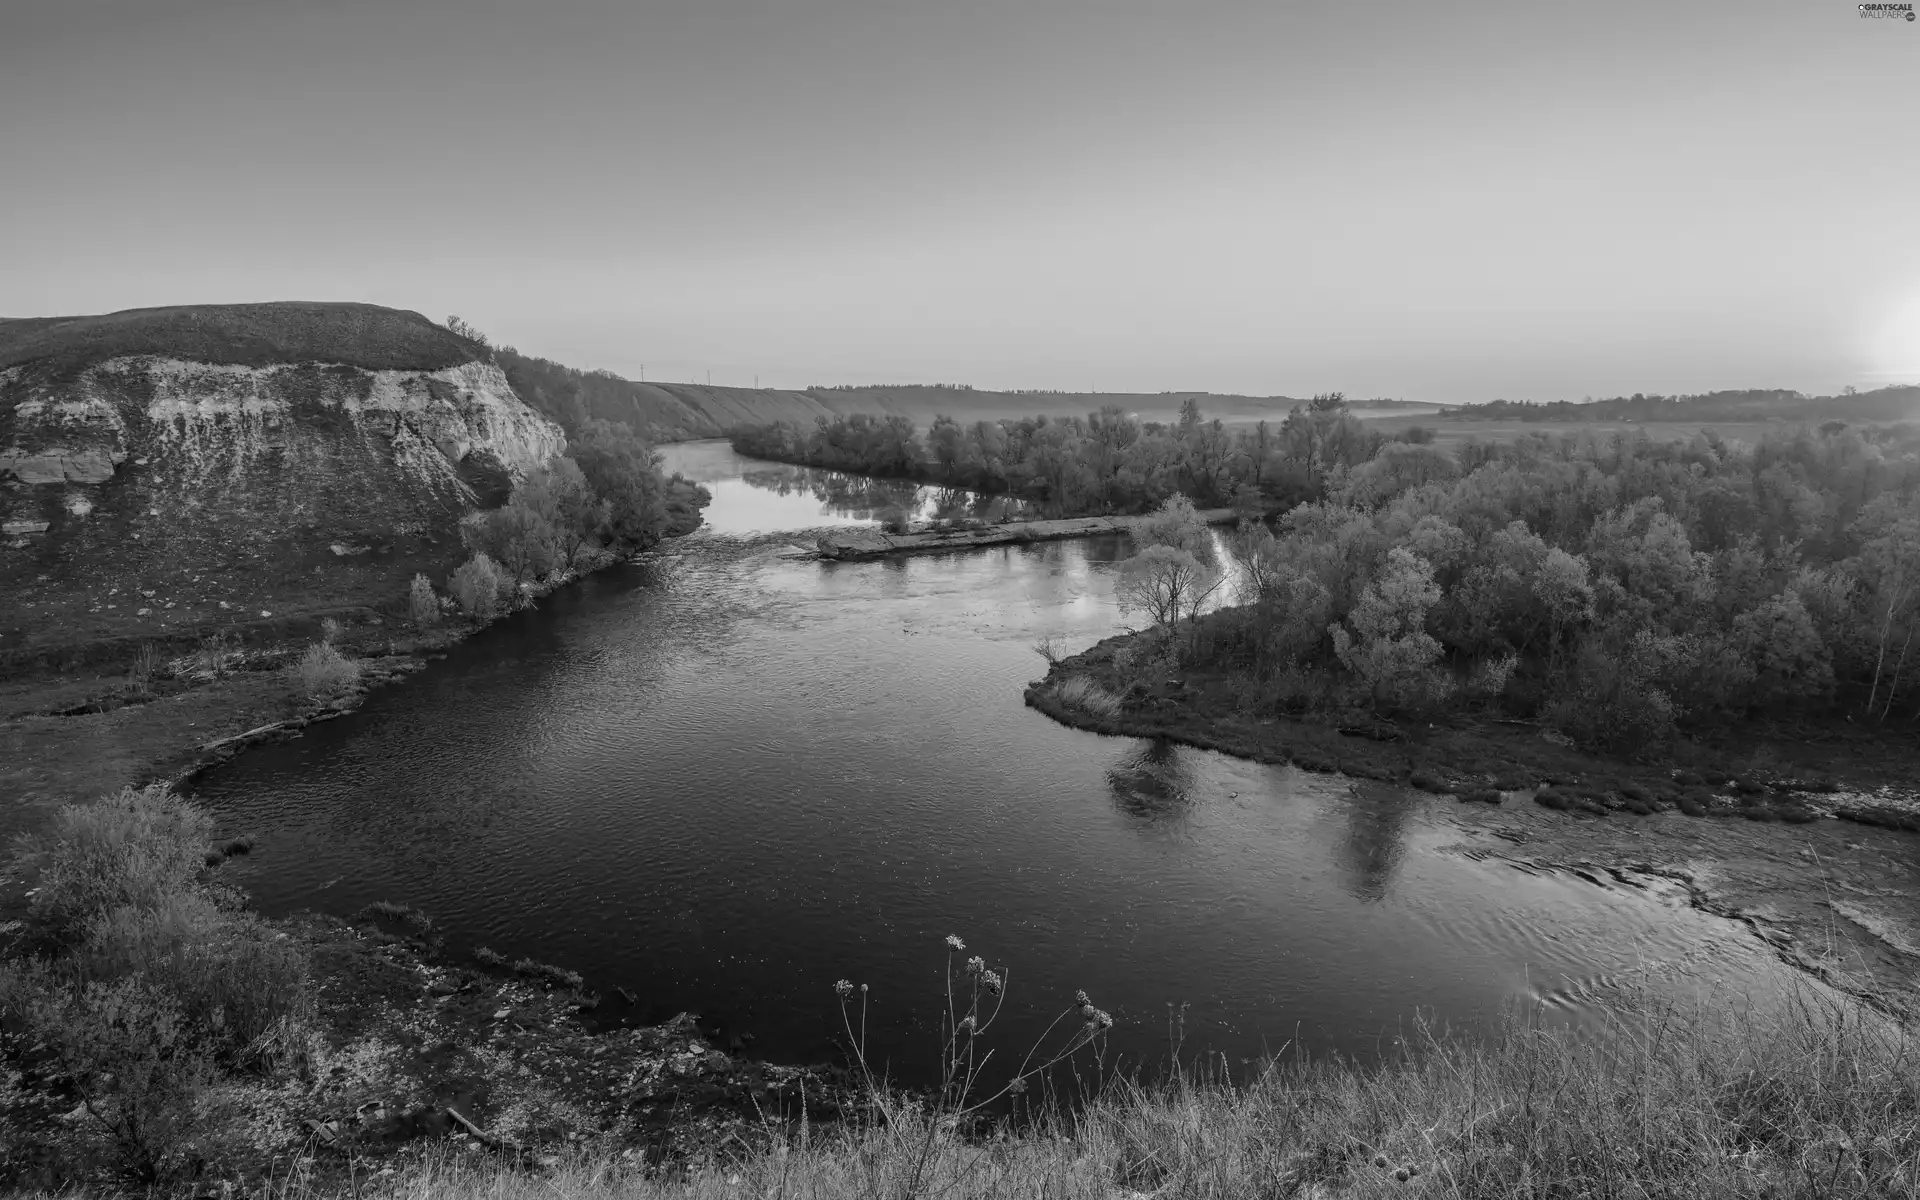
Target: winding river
{"x":723,"y":780}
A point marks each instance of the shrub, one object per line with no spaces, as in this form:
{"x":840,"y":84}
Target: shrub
{"x":236,"y":988}
{"x":477,"y":586}
{"x":134,"y":847}
{"x":422,"y":605}
{"x":130,"y":1055}
{"x":1490,"y":677}
{"x":324,"y":671}
{"x":486,"y":956}
{"x":1082,"y":693}
{"x":895,"y":519}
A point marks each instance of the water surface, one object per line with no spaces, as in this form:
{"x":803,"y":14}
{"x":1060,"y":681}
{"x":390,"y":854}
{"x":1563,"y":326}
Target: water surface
{"x":724,"y":780}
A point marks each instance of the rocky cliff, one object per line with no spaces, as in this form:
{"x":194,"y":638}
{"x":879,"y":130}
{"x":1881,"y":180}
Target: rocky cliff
{"x":170,"y":468}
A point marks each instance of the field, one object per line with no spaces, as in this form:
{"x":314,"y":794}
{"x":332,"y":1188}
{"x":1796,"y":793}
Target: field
{"x":1449,"y":433}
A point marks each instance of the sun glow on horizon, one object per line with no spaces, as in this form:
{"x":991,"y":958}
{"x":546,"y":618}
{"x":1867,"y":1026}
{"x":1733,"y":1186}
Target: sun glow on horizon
{"x":1895,"y":349}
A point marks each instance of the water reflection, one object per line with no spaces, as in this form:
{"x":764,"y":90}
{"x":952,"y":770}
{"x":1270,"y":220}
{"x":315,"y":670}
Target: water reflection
{"x":1152,"y":783}
{"x":1375,"y":840}
{"x":863,"y":498}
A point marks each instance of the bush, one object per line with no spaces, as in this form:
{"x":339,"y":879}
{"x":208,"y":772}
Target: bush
{"x":134,"y":847}
{"x":324,"y":671}
{"x":478,"y":585}
{"x":236,"y":988}
{"x":422,"y":605}
{"x":895,"y":519}
{"x":131,"y":1057}
{"x":159,"y":990}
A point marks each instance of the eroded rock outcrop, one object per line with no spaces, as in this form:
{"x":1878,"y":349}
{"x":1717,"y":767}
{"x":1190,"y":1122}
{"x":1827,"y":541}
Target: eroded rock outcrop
{"x":216,"y":454}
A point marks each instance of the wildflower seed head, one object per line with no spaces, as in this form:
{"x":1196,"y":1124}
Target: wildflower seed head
{"x":1087,"y":1010}
{"x":843,"y":988}
{"x":1413,"y":1168}
{"x":1017,"y":1086}
{"x":1402,"y":1175}
{"x":968,"y":1025}
{"x":954,"y":943}
{"x":1102,"y":1019}
{"x":991,"y":981}
{"x":976,"y":965}
{"x":1080,"y":998}
{"x":1380,"y":1160}
{"x":863,"y":989}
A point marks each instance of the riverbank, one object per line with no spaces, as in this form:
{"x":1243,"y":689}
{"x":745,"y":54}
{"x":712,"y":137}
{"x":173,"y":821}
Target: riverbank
{"x":1809,"y":844}
{"x":409,"y":1057}
{"x":133,"y":706}
{"x":861,"y":544}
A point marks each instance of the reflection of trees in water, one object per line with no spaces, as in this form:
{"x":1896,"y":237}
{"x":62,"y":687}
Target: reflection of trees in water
{"x":1152,"y":783}
{"x":864,"y":498}
{"x":1370,"y":852}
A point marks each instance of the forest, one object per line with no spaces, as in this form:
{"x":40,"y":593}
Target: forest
{"x":1106,"y":462}
{"x":1617,"y":585}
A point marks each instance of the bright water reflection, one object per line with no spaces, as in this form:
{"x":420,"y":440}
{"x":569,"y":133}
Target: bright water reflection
{"x":725,"y":780}
{"x":753,"y":496}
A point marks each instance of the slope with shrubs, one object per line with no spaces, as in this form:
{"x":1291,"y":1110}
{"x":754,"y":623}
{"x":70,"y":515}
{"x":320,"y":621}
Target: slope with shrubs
{"x":142,"y":988}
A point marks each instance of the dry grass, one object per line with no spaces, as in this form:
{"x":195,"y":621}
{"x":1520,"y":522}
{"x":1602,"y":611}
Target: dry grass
{"x":1818,"y":1101}
{"x":1082,"y":693}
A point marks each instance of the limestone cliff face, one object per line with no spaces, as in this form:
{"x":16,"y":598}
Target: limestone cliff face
{"x":153,"y":491}
{"x":210,"y":421}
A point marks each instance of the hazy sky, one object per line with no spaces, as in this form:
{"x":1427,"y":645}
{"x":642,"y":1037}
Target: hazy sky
{"x":1428,"y":200}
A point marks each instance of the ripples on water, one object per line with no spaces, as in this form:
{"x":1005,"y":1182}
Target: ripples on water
{"x":724,"y":780}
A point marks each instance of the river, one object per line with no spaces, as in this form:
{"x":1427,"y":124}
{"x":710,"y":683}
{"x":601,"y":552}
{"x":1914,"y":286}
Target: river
{"x":724,"y":780}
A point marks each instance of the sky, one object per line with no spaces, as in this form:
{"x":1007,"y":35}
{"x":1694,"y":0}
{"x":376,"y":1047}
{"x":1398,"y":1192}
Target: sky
{"x":1438,"y":202}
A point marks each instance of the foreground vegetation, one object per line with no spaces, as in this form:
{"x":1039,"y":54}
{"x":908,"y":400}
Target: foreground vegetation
{"x":163,"y":1013}
{"x":1812,"y":1105}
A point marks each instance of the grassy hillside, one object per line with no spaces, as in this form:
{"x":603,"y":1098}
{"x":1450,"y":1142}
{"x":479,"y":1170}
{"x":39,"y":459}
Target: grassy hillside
{"x":252,"y":335}
{"x":676,"y":412}
{"x":1899,"y":403}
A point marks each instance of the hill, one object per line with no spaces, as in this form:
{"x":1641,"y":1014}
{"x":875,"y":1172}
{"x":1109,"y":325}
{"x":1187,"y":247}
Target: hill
{"x":675,"y":412}
{"x":169,"y":469}
{"x":1900,"y":403}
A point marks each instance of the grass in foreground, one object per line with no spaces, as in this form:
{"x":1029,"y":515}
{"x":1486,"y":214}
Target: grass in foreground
{"x":1817,"y":1102}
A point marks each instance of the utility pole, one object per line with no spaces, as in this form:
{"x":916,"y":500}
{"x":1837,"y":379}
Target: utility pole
{"x":709,"y":377}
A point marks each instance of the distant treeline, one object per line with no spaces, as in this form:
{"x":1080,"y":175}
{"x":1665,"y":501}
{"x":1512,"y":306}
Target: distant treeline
{"x":1106,"y":462}
{"x":1883,"y":404}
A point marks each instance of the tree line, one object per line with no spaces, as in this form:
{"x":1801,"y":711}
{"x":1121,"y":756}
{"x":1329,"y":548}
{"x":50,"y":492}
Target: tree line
{"x":1617,"y":586}
{"x":1109,"y":461}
